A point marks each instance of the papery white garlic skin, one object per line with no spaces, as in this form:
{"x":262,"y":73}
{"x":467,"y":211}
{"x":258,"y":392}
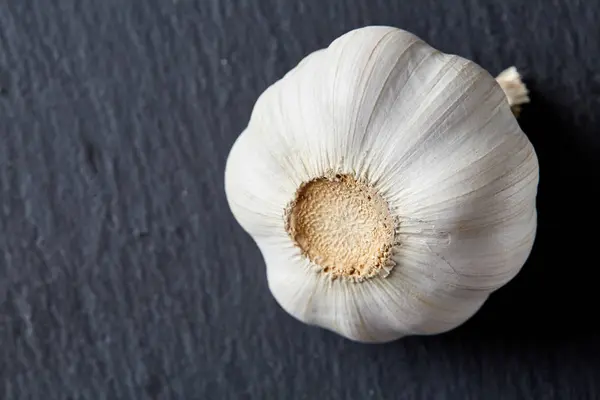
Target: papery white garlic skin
{"x":433,"y":135}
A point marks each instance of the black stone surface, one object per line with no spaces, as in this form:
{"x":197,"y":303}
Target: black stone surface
{"x":122,"y":272}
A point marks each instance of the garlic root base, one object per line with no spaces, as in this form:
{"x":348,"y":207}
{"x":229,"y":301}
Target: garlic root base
{"x":516,"y":92}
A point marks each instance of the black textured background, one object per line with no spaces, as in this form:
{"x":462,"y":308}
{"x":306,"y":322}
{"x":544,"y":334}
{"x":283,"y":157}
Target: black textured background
{"x":122,"y":272}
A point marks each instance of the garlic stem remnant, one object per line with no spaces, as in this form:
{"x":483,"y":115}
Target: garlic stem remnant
{"x":343,"y":226}
{"x":388,"y":186}
{"x":516,"y":92}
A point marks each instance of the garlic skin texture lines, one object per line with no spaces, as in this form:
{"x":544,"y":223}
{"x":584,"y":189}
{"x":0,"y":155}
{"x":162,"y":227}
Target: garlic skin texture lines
{"x":387,"y":185}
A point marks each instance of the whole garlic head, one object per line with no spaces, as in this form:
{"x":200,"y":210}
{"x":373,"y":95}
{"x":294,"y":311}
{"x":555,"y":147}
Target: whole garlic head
{"x":388,"y":186}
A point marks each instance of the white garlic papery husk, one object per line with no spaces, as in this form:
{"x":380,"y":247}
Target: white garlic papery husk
{"x":388,"y":186}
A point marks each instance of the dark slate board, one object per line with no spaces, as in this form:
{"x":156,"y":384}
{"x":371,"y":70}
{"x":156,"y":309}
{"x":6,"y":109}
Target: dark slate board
{"x":123,"y":274}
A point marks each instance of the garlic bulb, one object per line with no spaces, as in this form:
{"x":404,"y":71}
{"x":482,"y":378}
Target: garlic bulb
{"x":387,"y":185}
